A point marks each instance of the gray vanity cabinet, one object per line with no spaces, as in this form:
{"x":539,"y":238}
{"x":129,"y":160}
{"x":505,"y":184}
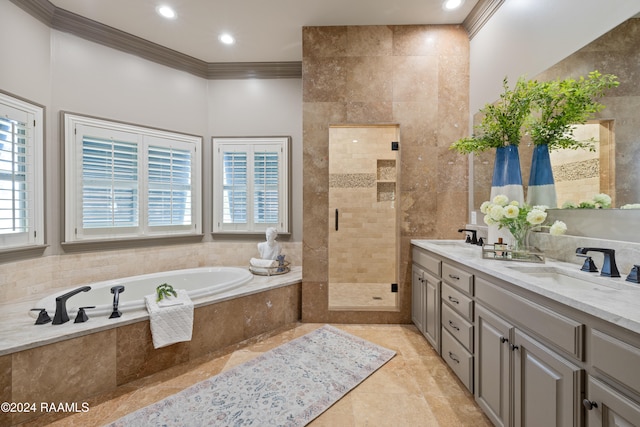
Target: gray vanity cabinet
{"x":493,"y":366}
{"x":425,"y":292}
{"x":608,"y":408}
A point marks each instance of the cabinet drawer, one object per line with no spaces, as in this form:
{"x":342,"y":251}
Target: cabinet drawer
{"x":458,"y":301}
{"x":458,"y":327}
{"x":616,"y":359}
{"x":459,"y":359}
{"x":421,"y":258}
{"x":552,"y":327}
{"x":458,"y":278}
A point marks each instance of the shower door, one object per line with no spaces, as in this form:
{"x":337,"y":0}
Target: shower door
{"x":363,"y":220}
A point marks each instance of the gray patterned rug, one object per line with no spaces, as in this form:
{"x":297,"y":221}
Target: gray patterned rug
{"x":287,"y":386}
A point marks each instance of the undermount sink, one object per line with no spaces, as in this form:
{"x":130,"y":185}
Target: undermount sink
{"x":561,"y":278}
{"x":459,"y":244}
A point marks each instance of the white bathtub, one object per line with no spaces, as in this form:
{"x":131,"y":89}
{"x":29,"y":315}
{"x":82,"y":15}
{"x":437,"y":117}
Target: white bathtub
{"x":198,"y":282}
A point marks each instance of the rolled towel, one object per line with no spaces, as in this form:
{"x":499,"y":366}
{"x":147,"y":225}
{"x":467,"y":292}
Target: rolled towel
{"x":264,"y":263}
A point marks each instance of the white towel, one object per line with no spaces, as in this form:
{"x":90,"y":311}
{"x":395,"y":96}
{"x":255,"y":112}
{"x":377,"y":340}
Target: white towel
{"x":171,"y":320}
{"x":263,"y":263}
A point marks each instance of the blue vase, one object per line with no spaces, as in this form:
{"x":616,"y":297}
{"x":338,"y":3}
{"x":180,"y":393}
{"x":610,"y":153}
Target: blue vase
{"x":507,"y":175}
{"x":507,"y":180}
{"x":542,"y":189}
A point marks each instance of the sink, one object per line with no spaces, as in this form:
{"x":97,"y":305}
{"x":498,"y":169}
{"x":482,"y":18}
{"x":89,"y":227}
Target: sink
{"x":459,"y":244}
{"x":558,"y":278}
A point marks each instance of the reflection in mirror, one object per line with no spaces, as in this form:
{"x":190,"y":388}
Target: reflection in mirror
{"x":613,"y":53}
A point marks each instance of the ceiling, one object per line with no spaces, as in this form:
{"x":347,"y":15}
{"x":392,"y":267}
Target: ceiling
{"x":265,"y":31}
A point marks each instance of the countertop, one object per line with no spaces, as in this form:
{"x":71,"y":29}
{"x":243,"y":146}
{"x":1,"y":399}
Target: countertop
{"x":611,"y":299}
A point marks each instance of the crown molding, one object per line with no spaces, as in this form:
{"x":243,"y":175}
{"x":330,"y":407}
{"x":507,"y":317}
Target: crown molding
{"x":65,"y":21}
{"x":479,"y":15}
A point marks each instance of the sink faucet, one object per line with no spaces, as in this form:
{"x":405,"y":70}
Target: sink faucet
{"x":609,"y":267}
{"x":474,"y":236}
{"x":61,"y":315}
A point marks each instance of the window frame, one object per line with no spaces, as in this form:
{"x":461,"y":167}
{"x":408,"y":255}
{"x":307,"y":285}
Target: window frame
{"x":144,"y":137}
{"x":249,"y":145}
{"x":34,"y":236}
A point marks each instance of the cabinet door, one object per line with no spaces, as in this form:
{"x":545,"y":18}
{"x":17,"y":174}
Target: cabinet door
{"x":432,"y":311}
{"x":418,"y":298}
{"x":606,"y":407}
{"x":547,"y":388}
{"x":493,"y":366}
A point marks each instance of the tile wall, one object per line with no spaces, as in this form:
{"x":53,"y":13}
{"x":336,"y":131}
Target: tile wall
{"x":413,"y":76}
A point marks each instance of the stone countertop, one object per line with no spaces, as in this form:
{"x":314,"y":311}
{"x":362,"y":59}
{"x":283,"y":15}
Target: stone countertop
{"x":616,"y":300}
{"x":18,"y":332}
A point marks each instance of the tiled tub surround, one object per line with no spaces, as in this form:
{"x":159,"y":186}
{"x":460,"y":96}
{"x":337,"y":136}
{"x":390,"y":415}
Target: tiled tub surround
{"x":70,"y":362}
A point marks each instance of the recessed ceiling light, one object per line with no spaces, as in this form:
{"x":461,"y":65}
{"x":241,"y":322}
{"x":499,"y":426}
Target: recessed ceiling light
{"x":226,"y":38}
{"x":452,"y":4}
{"x":166,"y":11}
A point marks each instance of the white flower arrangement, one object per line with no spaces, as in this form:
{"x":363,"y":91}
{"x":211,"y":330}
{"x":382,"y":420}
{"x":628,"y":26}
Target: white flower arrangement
{"x":599,"y":201}
{"x":519,"y":220}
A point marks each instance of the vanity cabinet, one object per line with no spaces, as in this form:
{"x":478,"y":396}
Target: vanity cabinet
{"x":425,"y":291}
{"x":530,"y":359}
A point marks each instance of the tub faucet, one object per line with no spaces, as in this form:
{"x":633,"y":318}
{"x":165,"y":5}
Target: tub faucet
{"x":61,"y":315}
{"x":116,"y":291}
{"x":609,"y":267}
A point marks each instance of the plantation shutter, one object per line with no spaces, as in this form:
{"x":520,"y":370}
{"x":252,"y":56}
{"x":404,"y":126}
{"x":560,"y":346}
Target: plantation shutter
{"x":109,"y":182}
{"x":169,"y":183}
{"x":234,"y":205}
{"x":16,"y":162}
{"x":265,"y":190}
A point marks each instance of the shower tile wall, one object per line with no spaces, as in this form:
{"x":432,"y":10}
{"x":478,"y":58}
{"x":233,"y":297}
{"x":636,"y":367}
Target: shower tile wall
{"x":367,"y":224}
{"x":413,"y":76}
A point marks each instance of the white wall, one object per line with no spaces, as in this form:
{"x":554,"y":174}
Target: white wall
{"x":66,"y":73}
{"x":261,"y":108}
{"x":525,"y":37}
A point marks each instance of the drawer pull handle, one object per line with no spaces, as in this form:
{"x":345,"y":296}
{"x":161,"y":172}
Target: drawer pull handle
{"x":514,"y":347}
{"x":504,"y":340}
{"x":589,"y":404}
{"x":454,"y":277}
{"x":453,"y":325}
{"x":453,"y":300}
{"x":453,"y":357}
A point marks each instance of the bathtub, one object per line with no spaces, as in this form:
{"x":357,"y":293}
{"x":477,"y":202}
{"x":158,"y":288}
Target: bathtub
{"x":198,"y":282}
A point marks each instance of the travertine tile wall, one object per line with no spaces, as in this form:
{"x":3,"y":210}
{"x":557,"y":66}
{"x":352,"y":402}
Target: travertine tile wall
{"x":26,"y":279}
{"x":414,"y":76}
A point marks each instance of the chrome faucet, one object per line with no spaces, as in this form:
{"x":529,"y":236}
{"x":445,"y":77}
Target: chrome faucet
{"x":61,"y":315}
{"x":609,"y":267}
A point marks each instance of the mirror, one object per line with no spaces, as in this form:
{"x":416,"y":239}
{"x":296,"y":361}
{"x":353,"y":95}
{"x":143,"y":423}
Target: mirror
{"x":619,"y":123}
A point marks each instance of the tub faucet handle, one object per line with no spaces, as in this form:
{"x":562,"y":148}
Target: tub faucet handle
{"x":43,"y":316}
{"x":82,"y":316}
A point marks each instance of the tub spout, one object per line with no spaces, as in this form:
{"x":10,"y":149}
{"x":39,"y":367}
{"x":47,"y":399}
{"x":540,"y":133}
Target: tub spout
{"x":116,"y":291}
{"x":61,"y":315}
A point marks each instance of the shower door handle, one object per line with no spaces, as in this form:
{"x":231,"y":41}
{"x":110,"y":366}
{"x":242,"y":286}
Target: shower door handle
{"x":336,"y":219}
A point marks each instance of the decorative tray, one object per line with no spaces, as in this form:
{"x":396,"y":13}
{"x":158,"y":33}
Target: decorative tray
{"x":504,"y":253}
{"x":283,"y":268}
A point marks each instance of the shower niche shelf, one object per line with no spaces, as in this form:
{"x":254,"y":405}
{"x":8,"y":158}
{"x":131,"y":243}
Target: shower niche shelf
{"x":386,"y":180}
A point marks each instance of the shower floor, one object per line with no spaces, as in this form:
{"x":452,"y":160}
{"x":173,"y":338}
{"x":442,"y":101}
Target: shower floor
{"x":362,"y":297}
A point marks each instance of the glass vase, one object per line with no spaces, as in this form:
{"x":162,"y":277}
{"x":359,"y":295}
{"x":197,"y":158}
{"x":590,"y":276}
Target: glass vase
{"x":507,"y":180}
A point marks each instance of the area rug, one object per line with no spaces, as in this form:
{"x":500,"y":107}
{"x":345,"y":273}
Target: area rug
{"x":287,"y":386}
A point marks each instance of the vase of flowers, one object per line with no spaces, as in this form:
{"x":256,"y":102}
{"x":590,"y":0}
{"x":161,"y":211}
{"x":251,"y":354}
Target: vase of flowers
{"x":556,"y":107}
{"x":519,"y":219}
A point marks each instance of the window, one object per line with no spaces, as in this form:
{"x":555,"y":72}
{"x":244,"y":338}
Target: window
{"x":126,"y":181}
{"x":251,"y":184}
{"x":21,"y":169}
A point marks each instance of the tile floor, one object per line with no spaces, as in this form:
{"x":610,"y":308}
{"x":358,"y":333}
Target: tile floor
{"x":415,"y":388}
